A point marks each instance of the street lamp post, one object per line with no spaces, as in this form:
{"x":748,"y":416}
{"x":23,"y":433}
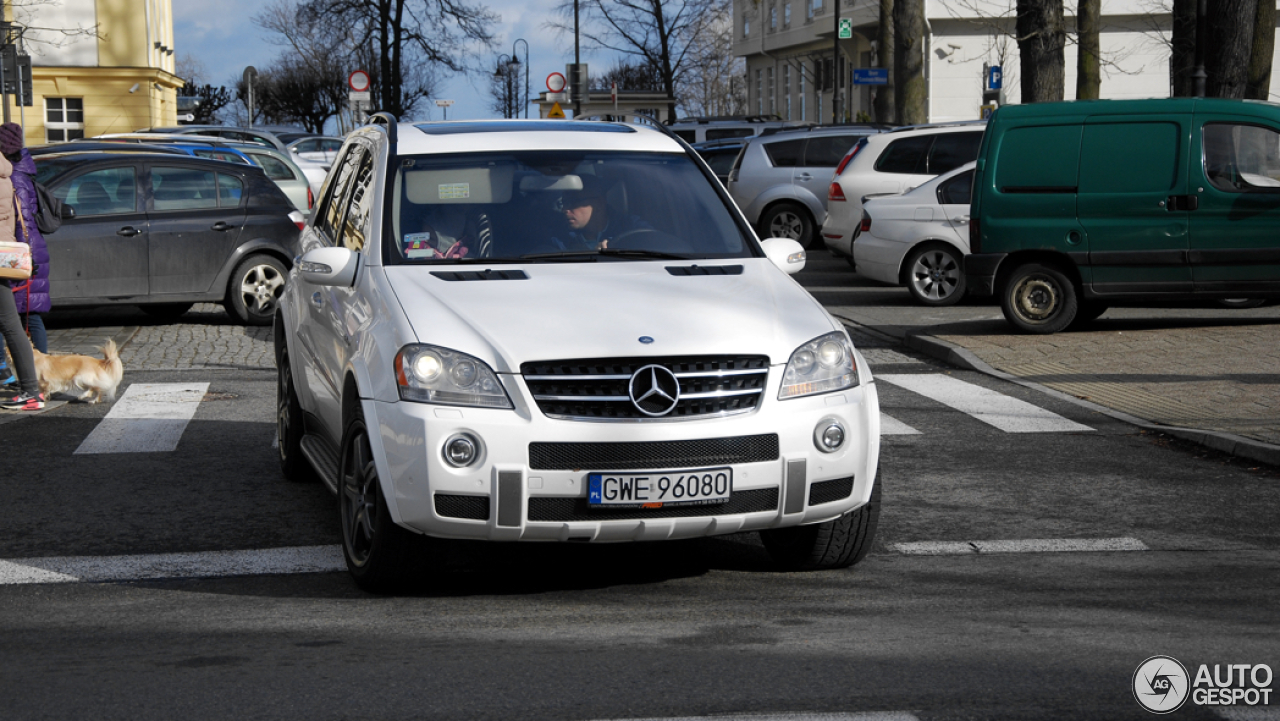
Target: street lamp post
{"x":516,"y":59}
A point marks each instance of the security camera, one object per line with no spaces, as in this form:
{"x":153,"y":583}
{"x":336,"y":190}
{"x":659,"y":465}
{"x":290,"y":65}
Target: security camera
{"x":134,"y":89}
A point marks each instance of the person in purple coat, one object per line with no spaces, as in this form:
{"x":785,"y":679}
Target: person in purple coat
{"x":32,"y":298}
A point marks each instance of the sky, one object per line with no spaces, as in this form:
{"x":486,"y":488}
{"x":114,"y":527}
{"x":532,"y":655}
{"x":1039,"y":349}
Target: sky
{"x":222,"y":37}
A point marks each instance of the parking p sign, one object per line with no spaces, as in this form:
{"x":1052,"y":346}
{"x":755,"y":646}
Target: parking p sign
{"x":995,"y":78}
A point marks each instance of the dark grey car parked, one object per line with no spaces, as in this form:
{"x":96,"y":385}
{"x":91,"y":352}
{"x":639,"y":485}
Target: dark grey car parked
{"x":165,"y":232}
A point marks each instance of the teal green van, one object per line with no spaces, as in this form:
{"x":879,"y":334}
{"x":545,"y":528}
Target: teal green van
{"x":1078,"y":206}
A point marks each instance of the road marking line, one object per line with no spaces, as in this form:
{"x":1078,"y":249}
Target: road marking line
{"x":991,"y":407}
{"x":836,"y":716}
{"x":148,"y":418}
{"x":100,"y":569}
{"x":1030,"y":545}
{"x":893,"y":427}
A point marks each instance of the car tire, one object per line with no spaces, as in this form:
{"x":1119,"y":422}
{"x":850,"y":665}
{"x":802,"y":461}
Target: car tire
{"x":166,"y":311}
{"x":788,"y":220}
{"x":935,"y":275}
{"x":381,"y":556}
{"x":1039,"y":299}
{"x":838,"y":543}
{"x":289,"y":427}
{"x":1241,"y":303}
{"x":255,"y":289}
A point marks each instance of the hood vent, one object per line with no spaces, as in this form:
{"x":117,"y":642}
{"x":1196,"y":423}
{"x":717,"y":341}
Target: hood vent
{"x":704,"y":269}
{"x":452,"y":275}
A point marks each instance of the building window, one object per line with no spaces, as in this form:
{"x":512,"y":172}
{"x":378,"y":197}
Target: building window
{"x":773,"y":95}
{"x":815,"y":7}
{"x":786,"y":90}
{"x":746,"y":26}
{"x":773,"y":19}
{"x":803,"y":102}
{"x":759,"y":92}
{"x":63,"y":119}
{"x":786,"y":15}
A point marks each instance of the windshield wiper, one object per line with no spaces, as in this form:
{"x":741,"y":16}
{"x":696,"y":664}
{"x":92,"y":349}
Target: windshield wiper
{"x":637,"y":253}
{"x":585,"y":256}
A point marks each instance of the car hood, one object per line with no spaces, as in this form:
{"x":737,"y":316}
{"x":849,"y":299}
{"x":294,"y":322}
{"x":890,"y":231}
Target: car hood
{"x":601,"y":310}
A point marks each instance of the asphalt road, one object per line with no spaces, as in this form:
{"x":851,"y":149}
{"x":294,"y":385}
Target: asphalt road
{"x":982,"y":630}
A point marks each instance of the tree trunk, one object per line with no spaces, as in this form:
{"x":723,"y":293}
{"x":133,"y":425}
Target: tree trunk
{"x":1182,"y":59}
{"x":1264,"y":47}
{"x":1089,"y":49}
{"x":908,"y":61}
{"x":1041,"y":45}
{"x":1226,"y":57}
{"x":885,"y":106}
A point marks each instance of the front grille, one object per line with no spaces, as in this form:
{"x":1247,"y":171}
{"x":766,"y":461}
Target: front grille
{"x":575,"y":509}
{"x":599,"y":388}
{"x":653,"y":455}
{"x":828,"y":491}
{"x":475,"y":508}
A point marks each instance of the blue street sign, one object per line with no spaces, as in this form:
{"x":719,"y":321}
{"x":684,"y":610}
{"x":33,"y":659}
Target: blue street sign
{"x":870,"y":76}
{"x":995,"y":78}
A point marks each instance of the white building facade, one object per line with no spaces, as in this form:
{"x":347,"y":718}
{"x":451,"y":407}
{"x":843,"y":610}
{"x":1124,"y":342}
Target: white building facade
{"x":793,"y":69}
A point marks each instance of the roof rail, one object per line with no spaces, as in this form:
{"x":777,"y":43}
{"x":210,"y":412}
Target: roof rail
{"x":951,"y":124}
{"x":389,"y":120}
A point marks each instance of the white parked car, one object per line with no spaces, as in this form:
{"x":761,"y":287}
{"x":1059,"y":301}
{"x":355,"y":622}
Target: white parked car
{"x":893,"y":162}
{"x":462,"y":354}
{"x":919,"y":238}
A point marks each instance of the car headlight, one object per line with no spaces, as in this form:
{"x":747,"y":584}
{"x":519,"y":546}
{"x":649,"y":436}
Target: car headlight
{"x":430,"y":374}
{"x":822,"y":365}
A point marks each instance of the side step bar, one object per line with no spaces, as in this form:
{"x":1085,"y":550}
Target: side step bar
{"x":322,"y":458}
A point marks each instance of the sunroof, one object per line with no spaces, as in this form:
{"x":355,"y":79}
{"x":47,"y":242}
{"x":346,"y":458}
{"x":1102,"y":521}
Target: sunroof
{"x":522,"y":126}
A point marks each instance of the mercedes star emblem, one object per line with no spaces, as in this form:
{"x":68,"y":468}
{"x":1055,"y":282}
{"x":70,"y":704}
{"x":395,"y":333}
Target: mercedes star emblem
{"x":654,"y":390}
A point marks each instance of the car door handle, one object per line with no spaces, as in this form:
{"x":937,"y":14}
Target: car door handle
{"x":317,"y":300}
{"x":961,"y":219}
{"x":128,"y":231}
{"x":221,"y":225}
{"x":805,"y":176}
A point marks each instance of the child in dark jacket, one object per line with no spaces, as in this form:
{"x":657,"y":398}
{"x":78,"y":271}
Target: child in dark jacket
{"x":32,"y":296}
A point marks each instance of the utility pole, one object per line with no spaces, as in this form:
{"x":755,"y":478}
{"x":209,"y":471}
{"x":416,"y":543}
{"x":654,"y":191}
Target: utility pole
{"x":577,"y":64}
{"x":835,"y":68}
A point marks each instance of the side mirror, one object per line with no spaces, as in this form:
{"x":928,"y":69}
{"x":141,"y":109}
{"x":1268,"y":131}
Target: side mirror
{"x":785,"y":253}
{"x":68,"y":212}
{"x":328,"y":266}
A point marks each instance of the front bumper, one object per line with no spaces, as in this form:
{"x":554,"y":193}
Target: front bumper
{"x":510,"y":493}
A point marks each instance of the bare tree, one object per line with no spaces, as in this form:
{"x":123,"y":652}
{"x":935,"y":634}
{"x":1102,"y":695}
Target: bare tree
{"x":1182,"y":48}
{"x":1228,"y":47}
{"x":660,"y":33}
{"x":1264,"y":48}
{"x":885,"y":106}
{"x":716,"y":82}
{"x":908,"y":61}
{"x":504,"y":90}
{"x":410,"y":42}
{"x":1089,"y":49}
{"x":310,"y":75}
{"x":1041,"y":49}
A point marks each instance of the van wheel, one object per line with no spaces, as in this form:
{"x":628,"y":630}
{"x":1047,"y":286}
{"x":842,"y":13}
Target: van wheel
{"x":838,"y":543}
{"x":788,"y":220}
{"x":935,"y":275}
{"x":1241,"y":302}
{"x":1039,"y":299}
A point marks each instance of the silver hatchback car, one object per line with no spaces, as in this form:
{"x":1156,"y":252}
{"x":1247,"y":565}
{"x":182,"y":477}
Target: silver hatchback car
{"x":780,"y":180}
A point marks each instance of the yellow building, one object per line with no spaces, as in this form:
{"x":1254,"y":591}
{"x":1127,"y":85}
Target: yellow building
{"x":86,"y":83}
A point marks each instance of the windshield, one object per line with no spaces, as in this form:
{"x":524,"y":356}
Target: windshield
{"x":558,"y":206}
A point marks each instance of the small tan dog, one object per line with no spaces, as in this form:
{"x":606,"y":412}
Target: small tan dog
{"x":92,"y":378}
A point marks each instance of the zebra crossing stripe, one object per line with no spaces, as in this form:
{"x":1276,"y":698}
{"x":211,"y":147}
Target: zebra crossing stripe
{"x":834,"y":716}
{"x":991,"y":407}
{"x":1028,"y":545}
{"x":152,"y":566}
{"x":148,"y":418}
{"x":890,"y":426}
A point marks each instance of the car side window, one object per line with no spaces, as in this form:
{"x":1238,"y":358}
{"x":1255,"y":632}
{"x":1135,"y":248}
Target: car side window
{"x":329,"y":214}
{"x":826,"y":151}
{"x":360,"y":206}
{"x":329,"y":145}
{"x":274,"y":167}
{"x":1240,"y":158}
{"x":956,"y":191}
{"x":785,"y":153}
{"x":722,"y":133}
{"x":307,"y":146}
{"x":951,"y":150}
{"x":906,"y":155}
{"x":230,"y":191}
{"x":182,"y":188}
{"x":109,"y":191}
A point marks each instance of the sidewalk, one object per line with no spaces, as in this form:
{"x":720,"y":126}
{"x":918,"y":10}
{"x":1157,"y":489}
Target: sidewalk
{"x":1208,"y":376}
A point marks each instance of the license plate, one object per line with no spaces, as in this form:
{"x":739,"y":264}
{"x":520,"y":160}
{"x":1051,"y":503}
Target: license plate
{"x":659,"y":489}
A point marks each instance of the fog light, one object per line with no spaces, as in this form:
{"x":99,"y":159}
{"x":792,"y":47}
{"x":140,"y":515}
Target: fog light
{"x":461,"y":450}
{"x":829,"y":436}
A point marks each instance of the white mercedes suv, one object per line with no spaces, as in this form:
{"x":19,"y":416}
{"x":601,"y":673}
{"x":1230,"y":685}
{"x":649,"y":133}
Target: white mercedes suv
{"x":562,"y":331}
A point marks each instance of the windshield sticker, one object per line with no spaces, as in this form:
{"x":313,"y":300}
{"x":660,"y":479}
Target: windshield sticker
{"x":418,"y":245}
{"x":455,"y":191}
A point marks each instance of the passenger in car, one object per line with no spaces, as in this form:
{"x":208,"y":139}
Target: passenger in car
{"x":591,"y":223}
